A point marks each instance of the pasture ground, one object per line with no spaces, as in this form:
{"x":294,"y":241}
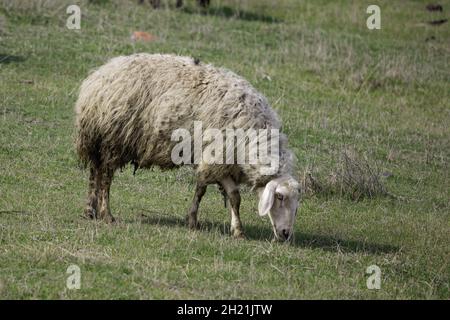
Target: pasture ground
{"x":383,"y":94}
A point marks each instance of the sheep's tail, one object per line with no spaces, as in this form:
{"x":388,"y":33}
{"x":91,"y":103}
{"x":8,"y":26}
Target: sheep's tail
{"x":88,"y":146}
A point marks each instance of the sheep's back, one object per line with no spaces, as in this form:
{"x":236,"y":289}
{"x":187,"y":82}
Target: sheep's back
{"x":133,"y":103}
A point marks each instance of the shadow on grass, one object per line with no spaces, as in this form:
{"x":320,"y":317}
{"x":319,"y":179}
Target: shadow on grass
{"x":13,"y":212}
{"x":6,"y":58}
{"x":304,"y":240}
{"x":228,"y":13}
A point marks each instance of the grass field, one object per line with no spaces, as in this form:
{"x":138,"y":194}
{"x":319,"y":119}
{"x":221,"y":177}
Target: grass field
{"x":383,"y":94}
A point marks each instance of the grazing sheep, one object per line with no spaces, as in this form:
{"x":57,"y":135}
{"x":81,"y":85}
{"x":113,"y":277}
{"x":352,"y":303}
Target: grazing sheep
{"x":128,"y":109}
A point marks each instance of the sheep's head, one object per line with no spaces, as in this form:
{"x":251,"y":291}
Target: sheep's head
{"x":280,"y":199}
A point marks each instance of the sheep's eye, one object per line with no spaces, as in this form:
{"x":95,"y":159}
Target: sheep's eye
{"x":280,"y":196}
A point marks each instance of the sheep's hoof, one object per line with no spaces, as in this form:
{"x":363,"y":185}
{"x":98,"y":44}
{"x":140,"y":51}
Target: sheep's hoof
{"x":89,"y":213}
{"x":238,"y":234}
{"x":192,"y":223}
{"x":109,"y":218}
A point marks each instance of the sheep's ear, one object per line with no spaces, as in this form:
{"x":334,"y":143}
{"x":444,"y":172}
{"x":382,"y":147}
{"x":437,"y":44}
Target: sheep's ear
{"x":266,"y":198}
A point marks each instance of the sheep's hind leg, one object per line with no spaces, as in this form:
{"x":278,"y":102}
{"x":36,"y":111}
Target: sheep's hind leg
{"x":91,"y":209}
{"x":191,"y":217}
{"x":234,"y":199}
{"x":105,"y":185}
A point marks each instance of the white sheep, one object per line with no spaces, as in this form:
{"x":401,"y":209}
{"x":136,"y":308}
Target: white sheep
{"x":128,"y":109}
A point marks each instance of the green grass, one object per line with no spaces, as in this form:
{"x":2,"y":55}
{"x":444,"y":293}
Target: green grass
{"x":336,"y":85}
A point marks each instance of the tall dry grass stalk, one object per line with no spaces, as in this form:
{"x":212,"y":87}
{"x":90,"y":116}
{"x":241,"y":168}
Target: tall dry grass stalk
{"x":354,"y":176}
{"x":357,"y":177}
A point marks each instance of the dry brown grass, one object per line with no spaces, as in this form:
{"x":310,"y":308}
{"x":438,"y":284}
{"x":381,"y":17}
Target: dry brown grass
{"x":358,"y":177}
{"x":354,"y":176}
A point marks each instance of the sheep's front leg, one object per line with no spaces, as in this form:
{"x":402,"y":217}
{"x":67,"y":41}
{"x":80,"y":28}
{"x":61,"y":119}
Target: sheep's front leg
{"x":234,"y":199}
{"x":105,"y":185}
{"x":192,"y":215}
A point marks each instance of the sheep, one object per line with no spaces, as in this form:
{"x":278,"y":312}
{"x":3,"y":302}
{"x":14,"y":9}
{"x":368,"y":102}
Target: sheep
{"x":129,"y":108}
